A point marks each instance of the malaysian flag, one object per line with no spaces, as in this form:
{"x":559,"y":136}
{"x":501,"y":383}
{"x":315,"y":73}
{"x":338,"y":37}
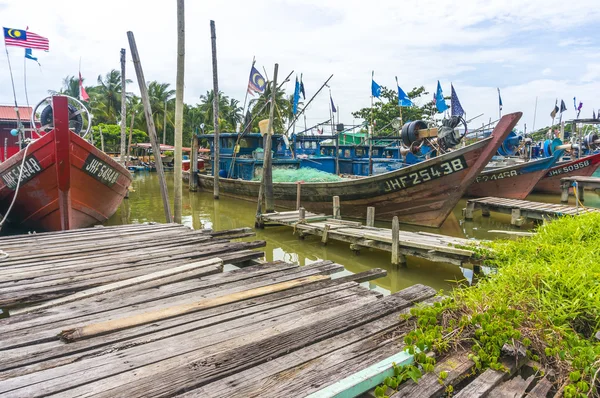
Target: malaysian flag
{"x":256,"y":83}
{"x":23,"y":38}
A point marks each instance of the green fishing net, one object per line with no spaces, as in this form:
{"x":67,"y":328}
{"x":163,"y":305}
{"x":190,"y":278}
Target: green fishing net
{"x":303,"y":174}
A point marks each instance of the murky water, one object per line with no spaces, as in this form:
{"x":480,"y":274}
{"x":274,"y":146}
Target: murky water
{"x":201,"y":211}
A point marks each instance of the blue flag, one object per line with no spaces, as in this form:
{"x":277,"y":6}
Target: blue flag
{"x":457,"y":109}
{"x":375,"y":88}
{"x":29,"y":55}
{"x":333,"y":108}
{"x":499,"y":99}
{"x":439,"y":99}
{"x":403,"y":99}
{"x":302,"y":87}
{"x":575,"y":104}
{"x":296,"y":96}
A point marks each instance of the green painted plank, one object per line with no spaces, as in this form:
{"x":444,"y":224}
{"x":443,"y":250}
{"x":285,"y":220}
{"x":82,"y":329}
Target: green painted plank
{"x":364,"y":380}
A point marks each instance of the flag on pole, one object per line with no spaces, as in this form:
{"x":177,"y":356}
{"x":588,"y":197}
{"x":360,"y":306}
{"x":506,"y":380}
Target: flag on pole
{"x":256,"y":82}
{"x":555,"y":109}
{"x":333,"y":108}
{"x":575,"y":104}
{"x":579,"y":108}
{"x":375,"y":88}
{"x":83,"y":95}
{"x":29,"y":55}
{"x":499,"y":99}
{"x":302,"y":88}
{"x":457,"y":109}
{"x":403,"y":99}
{"x":23,"y":38}
{"x":563,"y":107}
{"x":440,"y":103}
{"x":296,"y":96}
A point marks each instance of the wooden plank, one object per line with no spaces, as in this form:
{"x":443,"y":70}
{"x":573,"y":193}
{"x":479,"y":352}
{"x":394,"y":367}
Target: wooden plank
{"x":541,"y":389}
{"x":513,"y":388}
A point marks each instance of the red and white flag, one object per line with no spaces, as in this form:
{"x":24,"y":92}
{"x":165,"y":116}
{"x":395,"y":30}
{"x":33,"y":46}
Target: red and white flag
{"x":82,"y":94}
{"x":24,"y":38}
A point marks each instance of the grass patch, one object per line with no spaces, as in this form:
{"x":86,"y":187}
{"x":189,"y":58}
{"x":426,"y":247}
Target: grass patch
{"x":545,"y":295}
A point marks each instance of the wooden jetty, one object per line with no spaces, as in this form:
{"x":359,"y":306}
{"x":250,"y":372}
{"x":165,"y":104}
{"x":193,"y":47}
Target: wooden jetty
{"x":522,"y":210}
{"x":425,"y":245}
{"x":579,"y":184}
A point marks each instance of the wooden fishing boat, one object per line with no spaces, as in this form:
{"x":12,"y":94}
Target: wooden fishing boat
{"x":63,"y":182}
{"x":422,"y":194}
{"x":583,"y":167}
{"x":513,"y":181}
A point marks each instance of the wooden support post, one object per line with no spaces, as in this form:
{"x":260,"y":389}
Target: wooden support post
{"x":193,"y":183}
{"x":325,"y":234}
{"x":178,"y":158}
{"x":485,"y":211}
{"x":150,"y":122}
{"x":216,"y":166}
{"x":301,"y":215}
{"x":515,"y":217}
{"x":267,"y":161}
{"x":476,"y":269}
{"x":164,"y":140}
{"x":397,"y":258}
{"x":370,"y":216}
{"x":564,"y":195}
{"x":580,"y":192}
{"x":123,"y":108}
{"x":298,"y":194}
{"x":336,"y":208}
{"x":355,"y":248}
{"x":469,"y":210}
{"x":130,"y":136}
{"x":101,"y":138}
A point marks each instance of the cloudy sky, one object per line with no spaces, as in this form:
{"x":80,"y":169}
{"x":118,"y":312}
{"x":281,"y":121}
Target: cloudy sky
{"x":528,"y":48}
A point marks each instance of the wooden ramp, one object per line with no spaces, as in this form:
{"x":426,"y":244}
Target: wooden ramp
{"x":425,"y":245}
{"x":522,"y":210}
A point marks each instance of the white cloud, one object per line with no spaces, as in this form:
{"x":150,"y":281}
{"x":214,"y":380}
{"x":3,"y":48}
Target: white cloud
{"x":479,"y":45}
{"x":547,"y":72}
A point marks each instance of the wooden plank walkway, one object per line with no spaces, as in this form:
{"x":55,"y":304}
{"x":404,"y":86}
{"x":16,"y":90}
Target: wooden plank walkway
{"x":579,"y":184}
{"x":522,"y":210}
{"x":425,"y":245}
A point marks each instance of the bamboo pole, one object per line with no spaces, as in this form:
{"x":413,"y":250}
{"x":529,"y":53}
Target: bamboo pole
{"x":101,"y":138}
{"x":177,"y":175}
{"x":164,"y":140}
{"x":267,"y":179}
{"x":87,"y":331}
{"x":193,"y":182}
{"x":123,"y":109}
{"x":150,"y":122}
{"x":213,"y":38}
{"x":130,"y":136}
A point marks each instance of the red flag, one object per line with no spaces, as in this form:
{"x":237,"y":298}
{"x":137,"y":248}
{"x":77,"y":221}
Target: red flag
{"x":82,"y":94}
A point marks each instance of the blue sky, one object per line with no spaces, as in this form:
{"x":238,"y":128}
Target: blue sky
{"x":543,"y":48}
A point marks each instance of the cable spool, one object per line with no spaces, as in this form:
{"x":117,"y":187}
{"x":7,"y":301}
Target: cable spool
{"x":75,"y":118}
{"x":589,"y":140}
{"x":409,"y":133}
{"x":549,"y":146}
{"x":510,"y":145}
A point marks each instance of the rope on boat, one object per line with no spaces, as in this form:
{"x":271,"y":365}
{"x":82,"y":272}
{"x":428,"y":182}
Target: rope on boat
{"x":17,"y":188}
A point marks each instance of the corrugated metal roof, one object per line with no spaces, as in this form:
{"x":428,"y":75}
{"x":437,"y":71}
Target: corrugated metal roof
{"x":7,"y":112}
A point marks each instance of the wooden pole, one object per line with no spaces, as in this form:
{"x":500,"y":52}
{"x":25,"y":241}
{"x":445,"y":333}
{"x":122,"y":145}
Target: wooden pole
{"x":336,"y":208}
{"x":370,"y":216}
{"x":213,"y":37}
{"x":123,"y":109}
{"x":177,"y":175}
{"x":396,"y":256}
{"x":370,"y":137}
{"x":267,"y":162}
{"x":101,"y":138}
{"x":164,"y":140}
{"x":150,"y":122}
{"x":130,"y":136}
{"x":193,"y":183}
{"x":298,"y":194}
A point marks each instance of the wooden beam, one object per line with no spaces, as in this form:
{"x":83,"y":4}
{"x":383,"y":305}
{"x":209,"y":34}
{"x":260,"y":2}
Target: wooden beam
{"x":178,"y":158}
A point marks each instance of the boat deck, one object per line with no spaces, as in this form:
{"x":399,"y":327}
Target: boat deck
{"x":522,"y":210}
{"x":425,"y":245}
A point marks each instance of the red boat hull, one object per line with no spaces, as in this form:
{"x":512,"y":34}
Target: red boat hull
{"x":67,"y":183}
{"x":422,"y":194}
{"x":583,"y":167}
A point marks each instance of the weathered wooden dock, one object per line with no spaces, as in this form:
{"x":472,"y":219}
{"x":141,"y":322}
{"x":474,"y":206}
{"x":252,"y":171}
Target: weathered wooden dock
{"x":522,"y":210}
{"x":93,"y":314}
{"x":433,"y":247}
{"x":579,"y":185}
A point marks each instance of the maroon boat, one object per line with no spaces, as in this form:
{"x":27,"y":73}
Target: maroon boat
{"x":421,"y":194}
{"x":60,"y":180}
{"x":583,"y":167}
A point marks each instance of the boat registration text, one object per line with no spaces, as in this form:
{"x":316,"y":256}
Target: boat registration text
{"x":31,"y":167}
{"x":568,"y":169}
{"x":430,"y":173}
{"x":100,"y":170}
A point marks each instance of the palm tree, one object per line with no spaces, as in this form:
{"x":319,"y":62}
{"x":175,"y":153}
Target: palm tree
{"x":233,"y":112}
{"x":206,"y":107}
{"x":105,"y":98}
{"x":158,"y":94}
{"x":262,"y":106}
{"x":70,"y":87}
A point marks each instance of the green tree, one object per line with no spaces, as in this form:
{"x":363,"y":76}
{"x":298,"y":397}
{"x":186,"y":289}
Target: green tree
{"x":112,"y":136}
{"x":261,"y":107}
{"x":386,"y":109}
{"x":105,"y":98}
{"x":70,"y":87}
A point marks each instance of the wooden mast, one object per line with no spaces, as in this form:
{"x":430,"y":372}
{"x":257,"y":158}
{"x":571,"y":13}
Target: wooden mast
{"x":177,"y":175}
{"x":267,"y":162}
{"x":123,"y":108}
{"x":130,"y":136}
{"x":213,"y":37}
{"x":151,"y":128}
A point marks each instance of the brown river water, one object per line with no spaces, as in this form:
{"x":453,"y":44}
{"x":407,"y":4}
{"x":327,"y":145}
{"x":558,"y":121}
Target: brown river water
{"x":201,"y":211}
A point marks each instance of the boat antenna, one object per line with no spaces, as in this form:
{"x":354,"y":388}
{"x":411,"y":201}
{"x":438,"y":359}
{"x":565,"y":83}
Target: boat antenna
{"x":12,"y":80}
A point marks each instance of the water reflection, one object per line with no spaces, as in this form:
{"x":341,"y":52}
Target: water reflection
{"x":201,"y":211}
